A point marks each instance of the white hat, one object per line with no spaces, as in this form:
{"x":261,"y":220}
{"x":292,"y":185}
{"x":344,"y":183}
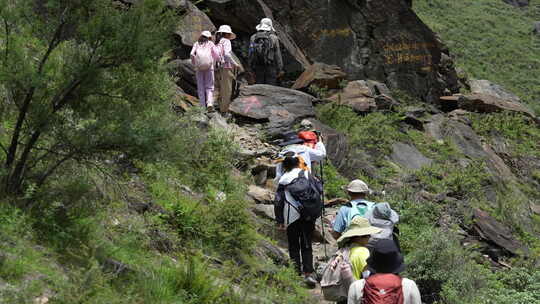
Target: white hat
{"x":265,"y":25}
{"x":357,"y":186}
{"x":226,"y":29}
{"x":206,"y":34}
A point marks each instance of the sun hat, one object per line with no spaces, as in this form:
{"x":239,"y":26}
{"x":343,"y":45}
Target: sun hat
{"x":226,"y":29}
{"x":357,"y":186}
{"x":265,"y":25}
{"x":306,"y":125}
{"x":206,"y":34}
{"x":290,"y":138}
{"x":359,"y":227}
{"x":385,"y":258}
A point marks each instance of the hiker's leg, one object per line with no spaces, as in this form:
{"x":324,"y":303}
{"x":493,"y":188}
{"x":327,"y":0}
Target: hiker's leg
{"x":201,"y":91}
{"x":259,"y":75}
{"x":294,"y":231}
{"x":271,"y":75}
{"x":209,"y":87}
{"x":227,"y":76}
{"x":307,"y":251}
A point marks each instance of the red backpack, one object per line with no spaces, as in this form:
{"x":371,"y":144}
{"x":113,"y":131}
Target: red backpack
{"x":309,"y":137}
{"x":383,"y":288}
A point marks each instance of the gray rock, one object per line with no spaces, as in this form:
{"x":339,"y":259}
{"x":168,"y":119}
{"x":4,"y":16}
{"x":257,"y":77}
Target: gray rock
{"x":261,"y":195}
{"x":517,"y":3}
{"x":273,"y":104}
{"x":536,"y":28}
{"x":190,"y":26}
{"x":485,"y":103}
{"x":489,"y":88}
{"x":489,"y":229}
{"x":408,"y":156}
{"x":264,"y":211}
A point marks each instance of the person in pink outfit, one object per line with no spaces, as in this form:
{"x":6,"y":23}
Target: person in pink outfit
{"x":203,"y":56}
{"x":226,"y":71}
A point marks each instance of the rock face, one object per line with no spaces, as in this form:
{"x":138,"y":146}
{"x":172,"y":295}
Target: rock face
{"x":492,"y":231}
{"x":381,"y":40}
{"x":408,"y":156}
{"x":321,"y":75}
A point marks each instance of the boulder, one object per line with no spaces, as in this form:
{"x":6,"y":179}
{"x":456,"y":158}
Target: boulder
{"x":408,"y":156}
{"x":261,"y":195}
{"x":491,"y":230}
{"x":489,"y":88}
{"x":536,"y":28}
{"x":321,"y":75}
{"x":364,"y":96}
{"x":484,"y":103}
{"x":279,"y":106}
{"x":182,"y":101}
{"x":517,"y":3}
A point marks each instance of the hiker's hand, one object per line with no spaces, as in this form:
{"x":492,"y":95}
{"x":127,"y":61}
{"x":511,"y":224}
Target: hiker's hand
{"x":281,"y":227}
{"x":280,"y":74}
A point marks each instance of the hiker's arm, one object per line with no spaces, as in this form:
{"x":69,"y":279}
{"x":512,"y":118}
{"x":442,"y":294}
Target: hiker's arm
{"x":227,"y":53}
{"x":410,"y":291}
{"x":250,"y":55}
{"x":319,"y":153}
{"x":356,"y":292}
{"x":279,"y":59}
{"x":279,"y":204}
{"x":193,"y":52}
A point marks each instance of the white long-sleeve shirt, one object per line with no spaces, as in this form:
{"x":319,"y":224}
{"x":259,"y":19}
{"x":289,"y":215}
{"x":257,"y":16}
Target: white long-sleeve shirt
{"x":308,"y":154}
{"x":411,"y":294}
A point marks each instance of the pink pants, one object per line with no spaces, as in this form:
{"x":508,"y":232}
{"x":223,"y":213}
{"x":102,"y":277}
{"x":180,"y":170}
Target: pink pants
{"x":205,"y":87}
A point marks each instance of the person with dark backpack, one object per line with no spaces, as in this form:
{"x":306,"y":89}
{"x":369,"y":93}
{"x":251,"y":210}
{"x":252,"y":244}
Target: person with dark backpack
{"x":384,"y":285}
{"x":297,"y":206}
{"x":264,"y":55}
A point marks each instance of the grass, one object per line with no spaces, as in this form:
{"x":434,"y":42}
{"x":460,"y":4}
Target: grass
{"x":490,"y":40}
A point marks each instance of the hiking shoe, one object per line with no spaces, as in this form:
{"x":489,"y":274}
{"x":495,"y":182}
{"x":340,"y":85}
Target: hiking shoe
{"x":310,"y":281}
{"x":210,"y":109}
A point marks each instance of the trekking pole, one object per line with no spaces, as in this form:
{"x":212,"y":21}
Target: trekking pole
{"x":323,"y":211}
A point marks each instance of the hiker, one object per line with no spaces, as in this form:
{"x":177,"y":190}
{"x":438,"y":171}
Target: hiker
{"x":299,"y":228}
{"x":226,"y":67}
{"x":384,"y":217}
{"x":203,"y":56}
{"x":352,"y":248}
{"x":264,"y":55}
{"x":357,"y":206}
{"x":292,"y":143}
{"x":384,"y":285}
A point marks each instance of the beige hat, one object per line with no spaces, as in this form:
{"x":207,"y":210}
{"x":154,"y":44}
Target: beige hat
{"x":357,"y":186}
{"x":226,"y":29}
{"x":265,"y":25}
{"x":206,"y":34}
{"x":359,"y":227}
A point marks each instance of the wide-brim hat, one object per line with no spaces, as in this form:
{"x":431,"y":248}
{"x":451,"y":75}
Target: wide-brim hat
{"x":359,"y":227}
{"x":226,"y":29}
{"x":385,"y":258}
{"x":265,"y":25}
{"x":206,"y":34}
{"x":357,"y":186}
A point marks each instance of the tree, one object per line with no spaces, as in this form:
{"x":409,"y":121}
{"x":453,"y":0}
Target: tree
{"x":79,"y":80}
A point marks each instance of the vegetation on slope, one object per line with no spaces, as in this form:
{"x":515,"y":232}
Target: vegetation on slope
{"x":490,"y":40}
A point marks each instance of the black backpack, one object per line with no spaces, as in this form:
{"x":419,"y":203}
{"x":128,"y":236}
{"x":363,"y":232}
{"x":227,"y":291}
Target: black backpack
{"x":262,"y":49}
{"x":308,"y":192}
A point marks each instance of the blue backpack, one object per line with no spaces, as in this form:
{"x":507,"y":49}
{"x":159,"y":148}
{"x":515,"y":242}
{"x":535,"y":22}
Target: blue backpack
{"x":358,"y":208}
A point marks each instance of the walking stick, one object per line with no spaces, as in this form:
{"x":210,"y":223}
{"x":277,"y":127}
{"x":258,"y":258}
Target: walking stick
{"x":323,"y":211}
